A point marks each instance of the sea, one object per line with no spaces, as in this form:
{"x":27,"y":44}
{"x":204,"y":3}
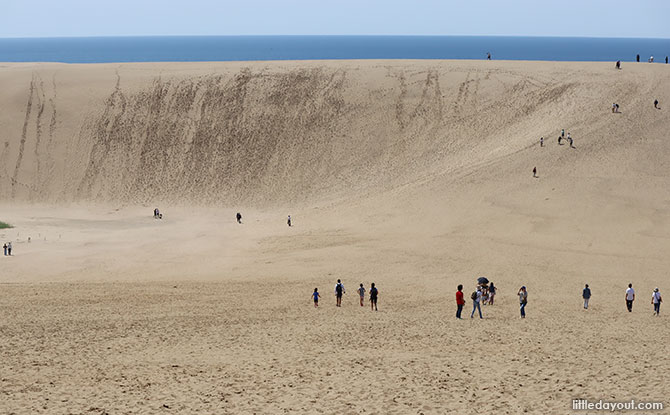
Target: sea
{"x":255,"y":48}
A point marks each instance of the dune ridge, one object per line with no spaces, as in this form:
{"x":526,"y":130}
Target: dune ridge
{"x":258,"y":133}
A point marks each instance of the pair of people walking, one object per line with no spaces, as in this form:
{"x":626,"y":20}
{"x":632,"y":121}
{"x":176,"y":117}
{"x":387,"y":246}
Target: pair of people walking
{"x":7,"y":248}
{"x":373,"y":296}
{"x":656,"y":299}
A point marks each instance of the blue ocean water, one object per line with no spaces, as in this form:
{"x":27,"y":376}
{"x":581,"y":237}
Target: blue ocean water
{"x":248,"y":48}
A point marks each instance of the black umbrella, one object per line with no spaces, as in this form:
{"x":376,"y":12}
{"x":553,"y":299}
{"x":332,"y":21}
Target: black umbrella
{"x":482,"y":280}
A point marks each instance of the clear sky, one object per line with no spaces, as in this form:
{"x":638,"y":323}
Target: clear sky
{"x":599,"y":18}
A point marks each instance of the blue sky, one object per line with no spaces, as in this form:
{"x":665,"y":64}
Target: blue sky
{"x":599,"y":18}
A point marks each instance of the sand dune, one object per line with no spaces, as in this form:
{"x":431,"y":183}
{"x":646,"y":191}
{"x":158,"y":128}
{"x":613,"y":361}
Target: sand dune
{"x":415,"y":175}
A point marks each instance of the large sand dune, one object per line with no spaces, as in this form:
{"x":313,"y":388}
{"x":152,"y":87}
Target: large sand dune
{"x":414,"y":175}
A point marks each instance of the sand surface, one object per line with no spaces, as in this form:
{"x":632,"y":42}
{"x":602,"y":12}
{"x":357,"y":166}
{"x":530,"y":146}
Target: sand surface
{"x":415,"y":175}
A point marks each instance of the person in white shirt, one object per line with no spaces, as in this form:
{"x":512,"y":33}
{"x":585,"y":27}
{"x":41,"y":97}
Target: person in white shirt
{"x":630,"y":297}
{"x":476,"y":302}
{"x":656,"y":300}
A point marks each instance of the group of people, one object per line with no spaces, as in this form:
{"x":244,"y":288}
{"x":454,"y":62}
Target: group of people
{"x":478,"y":298}
{"x":637,"y":58}
{"x":340,"y":291}
{"x":656,"y":299}
{"x":484,"y":294}
{"x":563,"y":137}
{"x":7,"y":248}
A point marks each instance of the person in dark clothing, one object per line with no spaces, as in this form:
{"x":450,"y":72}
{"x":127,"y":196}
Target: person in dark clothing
{"x":373,"y":297}
{"x":637,"y":58}
{"x":534,"y":171}
{"x":666,"y":59}
{"x":586,"y":295}
{"x":656,"y":103}
{"x":339,"y":291}
{"x":239,"y":217}
{"x":618,"y":64}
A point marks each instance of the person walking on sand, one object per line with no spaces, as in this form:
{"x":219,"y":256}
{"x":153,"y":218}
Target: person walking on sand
{"x":5,"y":248}
{"x":586,"y":295}
{"x":666,"y":59}
{"x":656,"y":300}
{"x":239,"y":217}
{"x":637,"y":58}
{"x":541,"y":141}
{"x":618,"y":64}
{"x":316,"y":296}
{"x":339,"y":291}
{"x":361,"y":293}
{"x":492,"y":293}
{"x":613,"y":107}
{"x":460,"y":301}
{"x":562,"y":132}
{"x":523,"y":300}
{"x":373,"y":297}
{"x":289,"y":221}
{"x":656,"y":103}
{"x":476,"y":302}
{"x":630,"y":297}
{"x":9,"y":248}
{"x":534,"y":171}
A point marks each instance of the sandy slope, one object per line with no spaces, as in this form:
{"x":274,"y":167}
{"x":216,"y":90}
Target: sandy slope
{"x":413,"y":175}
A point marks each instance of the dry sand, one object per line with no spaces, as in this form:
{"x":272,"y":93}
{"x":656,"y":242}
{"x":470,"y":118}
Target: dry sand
{"x":413,"y":175}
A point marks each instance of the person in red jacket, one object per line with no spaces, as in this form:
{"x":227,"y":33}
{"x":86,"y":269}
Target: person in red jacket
{"x":460,"y":301}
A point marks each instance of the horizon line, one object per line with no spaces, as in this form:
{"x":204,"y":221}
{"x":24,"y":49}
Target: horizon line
{"x":328,"y":35}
